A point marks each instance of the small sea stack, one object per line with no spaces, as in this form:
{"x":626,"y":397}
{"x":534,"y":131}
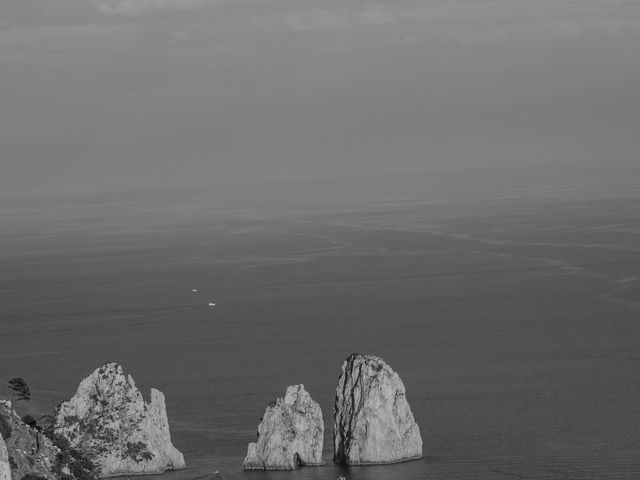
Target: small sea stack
{"x":372,"y":420}
{"x":122,"y":434}
{"x":290,"y":434}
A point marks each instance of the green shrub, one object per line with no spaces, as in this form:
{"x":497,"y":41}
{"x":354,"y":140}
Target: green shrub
{"x":30,"y":421}
{"x":19,"y":389}
{"x":81,"y":467}
{"x":138,"y":451}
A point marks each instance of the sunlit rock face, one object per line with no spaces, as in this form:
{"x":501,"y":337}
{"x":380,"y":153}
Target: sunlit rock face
{"x":24,"y":450}
{"x":373,"y":422}
{"x":5,"y":469}
{"x":122,"y":434}
{"x":289,"y":435}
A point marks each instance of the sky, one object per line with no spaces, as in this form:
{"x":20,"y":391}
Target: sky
{"x":109,"y":94}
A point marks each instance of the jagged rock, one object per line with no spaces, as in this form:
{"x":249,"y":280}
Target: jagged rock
{"x":26,"y":452}
{"x":5,"y":469}
{"x":372,"y":420}
{"x":109,"y":420}
{"x":290,"y":434}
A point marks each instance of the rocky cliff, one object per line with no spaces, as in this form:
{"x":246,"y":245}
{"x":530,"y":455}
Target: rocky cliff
{"x":27,"y":452}
{"x":290,"y":434}
{"x":5,"y":470}
{"x":372,"y":419}
{"x":122,"y":434}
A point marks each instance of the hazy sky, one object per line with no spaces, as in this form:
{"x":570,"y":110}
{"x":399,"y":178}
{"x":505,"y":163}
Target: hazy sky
{"x":123,"y":93}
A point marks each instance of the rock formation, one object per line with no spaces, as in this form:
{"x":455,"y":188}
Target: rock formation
{"x":109,"y":420}
{"x":24,"y":451}
{"x":5,"y":469}
{"x":372,"y":420}
{"x":290,"y":434}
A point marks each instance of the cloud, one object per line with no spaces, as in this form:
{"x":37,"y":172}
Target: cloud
{"x":138,"y":7}
{"x":485,"y":21}
{"x":11,"y":12}
{"x":26,"y":44}
{"x":250,"y":25}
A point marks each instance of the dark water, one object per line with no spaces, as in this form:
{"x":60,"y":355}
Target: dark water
{"x":513,"y":319}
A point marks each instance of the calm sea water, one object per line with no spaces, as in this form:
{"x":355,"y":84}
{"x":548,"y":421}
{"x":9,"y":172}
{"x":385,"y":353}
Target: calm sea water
{"x":513,"y":319}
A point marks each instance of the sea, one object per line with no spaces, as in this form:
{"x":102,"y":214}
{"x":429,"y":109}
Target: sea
{"x":511,"y":312}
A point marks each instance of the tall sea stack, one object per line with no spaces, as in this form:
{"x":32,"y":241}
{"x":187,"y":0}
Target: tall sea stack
{"x":109,"y":420}
{"x":372,"y":420}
